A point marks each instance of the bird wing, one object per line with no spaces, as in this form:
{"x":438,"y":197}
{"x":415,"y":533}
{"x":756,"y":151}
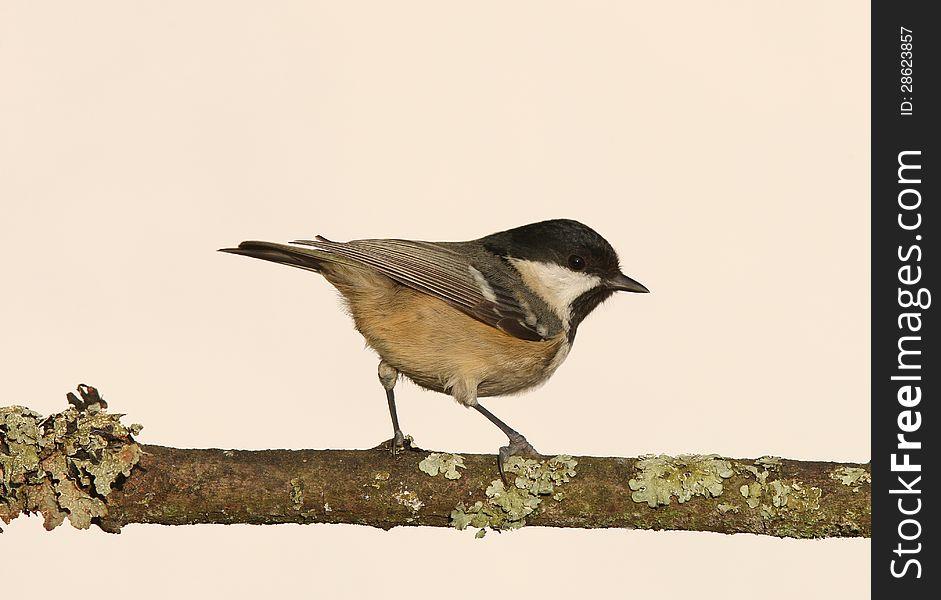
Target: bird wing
{"x":441,"y":272}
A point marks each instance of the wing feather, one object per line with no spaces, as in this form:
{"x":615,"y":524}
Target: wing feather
{"x":439,"y":271}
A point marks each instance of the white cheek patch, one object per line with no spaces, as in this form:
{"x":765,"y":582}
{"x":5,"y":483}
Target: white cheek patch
{"x":555,"y":284}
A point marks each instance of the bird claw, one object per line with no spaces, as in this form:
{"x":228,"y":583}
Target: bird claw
{"x":398,"y":444}
{"x":516,"y":447}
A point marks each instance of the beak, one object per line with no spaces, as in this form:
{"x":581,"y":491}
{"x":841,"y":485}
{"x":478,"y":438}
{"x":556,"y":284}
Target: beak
{"x":623,"y":283}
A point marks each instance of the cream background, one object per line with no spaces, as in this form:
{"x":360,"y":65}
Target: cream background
{"x":722,"y":147}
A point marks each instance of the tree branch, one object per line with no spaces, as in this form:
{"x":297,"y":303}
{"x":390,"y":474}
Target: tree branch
{"x":112,"y":481}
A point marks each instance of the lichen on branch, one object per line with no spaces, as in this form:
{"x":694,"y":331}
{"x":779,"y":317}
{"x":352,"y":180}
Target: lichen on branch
{"x":66,"y":464}
{"x":507,"y":507}
{"x":84,"y":465}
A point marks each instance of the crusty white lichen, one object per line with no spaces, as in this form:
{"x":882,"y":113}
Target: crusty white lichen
{"x":439,"y":462}
{"x":853,"y":477}
{"x":408,"y":499}
{"x":63,"y":465}
{"x":505,"y":508}
{"x":661,"y":478}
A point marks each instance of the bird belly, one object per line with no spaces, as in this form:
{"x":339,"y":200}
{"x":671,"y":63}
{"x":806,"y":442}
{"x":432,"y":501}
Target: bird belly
{"x":442,"y":349}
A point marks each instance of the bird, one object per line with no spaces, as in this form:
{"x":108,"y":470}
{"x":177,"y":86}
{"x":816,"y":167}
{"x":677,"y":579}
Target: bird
{"x":487,"y":317}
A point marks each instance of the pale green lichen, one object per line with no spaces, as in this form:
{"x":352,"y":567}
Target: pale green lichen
{"x":752,"y":491}
{"x":752,"y":494}
{"x":769,"y":462}
{"x":853,"y":477}
{"x":660,"y":478}
{"x":63,"y":465}
{"x":722,"y":507}
{"x":81,"y":506}
{"x":779,"y":496}
{"x":297,"y":493}
{"x":445,"y":463}
{"x":779,"y":493}
{"x":508,"y":507}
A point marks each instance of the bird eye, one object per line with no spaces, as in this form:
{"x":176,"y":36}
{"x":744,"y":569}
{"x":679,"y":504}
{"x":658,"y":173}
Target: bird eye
{"x":576,"y":262}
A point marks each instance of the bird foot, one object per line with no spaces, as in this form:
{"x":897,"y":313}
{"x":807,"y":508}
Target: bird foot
{"x":517,"y":447}
{"x":398,"y":444}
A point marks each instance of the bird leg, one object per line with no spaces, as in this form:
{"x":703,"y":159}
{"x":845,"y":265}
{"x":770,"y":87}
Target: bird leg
{"x":518,"y":445}
{"x":387,"y":376}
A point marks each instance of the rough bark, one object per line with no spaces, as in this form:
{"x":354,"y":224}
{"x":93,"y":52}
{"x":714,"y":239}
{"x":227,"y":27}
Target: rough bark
{"x":84,"y":465}
{"x":373,"y":487}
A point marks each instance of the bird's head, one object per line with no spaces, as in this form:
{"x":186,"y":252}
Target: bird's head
{"x":566,"y":263}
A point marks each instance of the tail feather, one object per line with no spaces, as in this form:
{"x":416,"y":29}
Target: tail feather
{"x":302,"y":258}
